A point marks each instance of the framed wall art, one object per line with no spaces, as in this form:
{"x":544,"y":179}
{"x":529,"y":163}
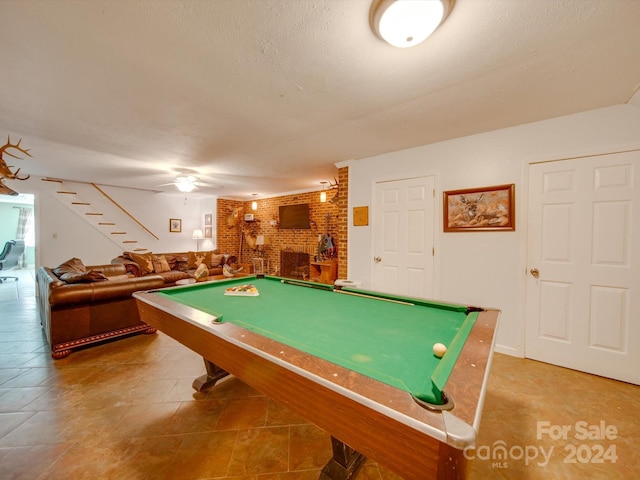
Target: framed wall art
{"x":480,"y":209}
{"x":208,"y":233}
{"x":208,"y":219}
{"x":175,"y":225}
{"x":360,"y":216}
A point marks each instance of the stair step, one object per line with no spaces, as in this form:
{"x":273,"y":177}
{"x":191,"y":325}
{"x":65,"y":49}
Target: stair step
{"x":80,"y":203}
{"x":93,"y":213}
{"x":64,"y":192}
{"x":106,"y":223}
{"x":140,"y":249}
{"x":57,"y":180}
{"x":129,"y":241}
{"x":118,"y":233}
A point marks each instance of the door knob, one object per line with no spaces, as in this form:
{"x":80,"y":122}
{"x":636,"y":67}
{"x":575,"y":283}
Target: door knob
{"x":535,"y":273}
{"x":377,"y":259}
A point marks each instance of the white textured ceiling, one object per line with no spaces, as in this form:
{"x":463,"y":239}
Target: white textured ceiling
{"x":266,"y":96}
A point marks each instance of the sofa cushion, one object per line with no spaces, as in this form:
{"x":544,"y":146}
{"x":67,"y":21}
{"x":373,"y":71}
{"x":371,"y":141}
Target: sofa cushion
{"x":84,"y":277}
{"x":119,"y":278}
{"x":173,"y":276}
{"x":216,"y":260}
{"x":144,"y":261}
{"x":74,"y":271}
{"x":182,"y":263}
{"x":160,"y":264}
{"x":198,"y":258}
{"x":73,"y":265}
{"x":171,"y":261}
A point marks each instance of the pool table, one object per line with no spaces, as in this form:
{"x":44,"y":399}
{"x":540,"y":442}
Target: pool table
{"x":359,"y":364}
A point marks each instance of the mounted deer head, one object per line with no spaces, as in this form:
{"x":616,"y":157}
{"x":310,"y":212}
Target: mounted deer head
{"x":250,"y":239}
{"x":334,"y":186}
{"x":4,"y":190}
{"x":5,"y":170}
{"x":233,"y":217}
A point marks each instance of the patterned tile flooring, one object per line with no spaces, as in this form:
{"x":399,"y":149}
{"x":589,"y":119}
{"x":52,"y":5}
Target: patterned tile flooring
{"x":125,"y":410}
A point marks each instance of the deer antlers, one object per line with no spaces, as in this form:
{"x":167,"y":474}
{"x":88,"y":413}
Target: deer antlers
{"x":5,"y":170}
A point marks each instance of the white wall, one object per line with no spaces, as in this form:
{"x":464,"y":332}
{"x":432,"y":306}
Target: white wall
{"x":486,"y":268}
{"x":76,"y":238}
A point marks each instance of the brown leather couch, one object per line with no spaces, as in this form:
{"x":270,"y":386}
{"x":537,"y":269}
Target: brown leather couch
{"x":178,"y":265}
{"x":75,"y":315}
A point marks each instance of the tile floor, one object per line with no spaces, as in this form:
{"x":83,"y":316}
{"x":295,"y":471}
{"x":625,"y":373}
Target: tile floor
{"x":125,"y":410}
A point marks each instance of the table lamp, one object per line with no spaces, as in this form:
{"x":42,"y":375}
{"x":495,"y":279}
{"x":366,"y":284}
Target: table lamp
{"x":261,"y":241}
{"x":197,"y":236}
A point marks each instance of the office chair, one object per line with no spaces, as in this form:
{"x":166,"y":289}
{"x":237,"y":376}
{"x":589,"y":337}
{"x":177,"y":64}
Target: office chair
{"x":9,"y":257}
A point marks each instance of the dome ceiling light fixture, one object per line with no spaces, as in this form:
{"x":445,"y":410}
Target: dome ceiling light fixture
{"x":406,"y":23}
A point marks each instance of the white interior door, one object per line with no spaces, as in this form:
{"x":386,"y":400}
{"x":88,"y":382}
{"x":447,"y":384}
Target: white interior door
{"x":403,"y":236}
{"x":583,"y":287}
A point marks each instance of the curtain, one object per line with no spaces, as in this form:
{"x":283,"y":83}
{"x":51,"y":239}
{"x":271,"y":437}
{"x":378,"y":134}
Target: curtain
{"x":25,"y":220}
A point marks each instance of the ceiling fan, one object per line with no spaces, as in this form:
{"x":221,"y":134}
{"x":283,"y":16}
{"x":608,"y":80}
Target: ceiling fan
{"x":187,"y":182}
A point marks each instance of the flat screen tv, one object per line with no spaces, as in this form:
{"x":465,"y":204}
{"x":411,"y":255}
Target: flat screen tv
{"x":294,"y":216}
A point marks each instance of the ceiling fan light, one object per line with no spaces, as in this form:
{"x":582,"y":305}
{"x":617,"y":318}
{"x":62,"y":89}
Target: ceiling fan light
{"x":186,"y":184}
{"x":406,"y":23}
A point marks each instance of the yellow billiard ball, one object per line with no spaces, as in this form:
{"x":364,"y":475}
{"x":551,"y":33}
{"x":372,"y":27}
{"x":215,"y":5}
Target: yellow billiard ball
{"x":439,"y":350}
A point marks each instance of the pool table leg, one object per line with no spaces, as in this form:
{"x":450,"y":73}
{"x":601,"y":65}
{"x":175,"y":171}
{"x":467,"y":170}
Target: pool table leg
{"x":209,"y":379}
{"x":344,"y":464}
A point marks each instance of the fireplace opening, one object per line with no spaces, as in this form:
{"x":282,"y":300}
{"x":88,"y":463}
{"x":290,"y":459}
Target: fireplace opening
{"x":294,"y":264}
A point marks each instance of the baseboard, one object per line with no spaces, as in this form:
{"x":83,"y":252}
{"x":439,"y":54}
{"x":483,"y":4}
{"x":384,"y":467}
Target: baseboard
{"x":514,"y":352}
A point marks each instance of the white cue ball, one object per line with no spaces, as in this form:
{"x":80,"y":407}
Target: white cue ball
{"x":439,"y":350}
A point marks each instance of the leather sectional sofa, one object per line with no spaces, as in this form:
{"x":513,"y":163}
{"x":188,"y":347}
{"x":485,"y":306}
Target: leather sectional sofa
{"x":81,"y":306}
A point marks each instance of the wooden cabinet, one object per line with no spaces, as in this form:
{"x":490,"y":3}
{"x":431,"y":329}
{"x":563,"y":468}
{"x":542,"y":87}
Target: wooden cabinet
{"x":323,"y":272}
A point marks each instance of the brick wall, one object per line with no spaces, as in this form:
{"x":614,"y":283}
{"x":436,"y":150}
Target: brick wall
{"x":325,"y":218}
{"x":229,"y":215}
{"x":343,"y":220}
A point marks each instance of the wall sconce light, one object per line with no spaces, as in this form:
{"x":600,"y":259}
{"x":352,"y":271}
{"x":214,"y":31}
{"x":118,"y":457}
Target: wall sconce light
{"x":406,"y":23}
{"x":254,"y":204}
{"x":197,"y":236}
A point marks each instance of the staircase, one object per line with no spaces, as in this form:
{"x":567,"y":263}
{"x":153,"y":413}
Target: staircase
{"x":96,"y":207}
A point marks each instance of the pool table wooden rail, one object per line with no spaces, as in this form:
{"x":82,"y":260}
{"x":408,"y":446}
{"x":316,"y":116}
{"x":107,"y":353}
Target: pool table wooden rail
{"x":379,"y":421}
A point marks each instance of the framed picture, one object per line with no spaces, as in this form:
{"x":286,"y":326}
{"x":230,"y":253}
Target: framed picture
{"x":175,"y":225}
{"x":360,"y":216}
{"x":207,"y":232}
{"x":480,"y":209}
{"x":208,"y":219}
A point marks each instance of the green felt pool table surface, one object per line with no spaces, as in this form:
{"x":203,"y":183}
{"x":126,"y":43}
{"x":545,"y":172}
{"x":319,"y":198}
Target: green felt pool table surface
{"x":390,"y":341}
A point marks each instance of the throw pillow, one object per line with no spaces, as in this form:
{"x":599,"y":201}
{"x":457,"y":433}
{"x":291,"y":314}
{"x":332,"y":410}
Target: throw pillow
{"x":182,"y":263}
{"x":84,"y":277}
{"x":197,"y":258}
{"x":172,"y":260}
{"x":160,"y":264}
{"x":73,"y":265}
{"x":217,"y":260}
{"x":144,"y":261}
